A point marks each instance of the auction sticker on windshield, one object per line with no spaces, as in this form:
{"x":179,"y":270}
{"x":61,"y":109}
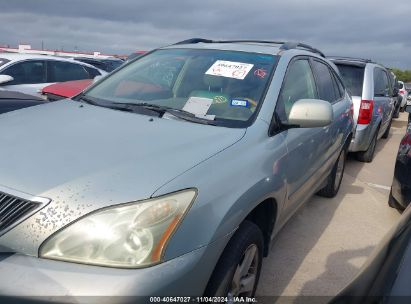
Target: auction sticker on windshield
{"x":230,"y":69}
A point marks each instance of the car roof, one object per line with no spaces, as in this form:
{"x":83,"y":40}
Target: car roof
{"x":13,"y":57}
{"x":360,"y":62}
{"x":19,"y":56}
{"x":253,"y":46}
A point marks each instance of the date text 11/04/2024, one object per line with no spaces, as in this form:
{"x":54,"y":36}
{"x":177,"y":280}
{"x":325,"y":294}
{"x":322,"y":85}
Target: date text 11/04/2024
{"x":202,"y":300}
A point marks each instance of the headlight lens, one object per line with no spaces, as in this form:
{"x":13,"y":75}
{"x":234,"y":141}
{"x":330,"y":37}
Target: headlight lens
{"x":130,"y":236}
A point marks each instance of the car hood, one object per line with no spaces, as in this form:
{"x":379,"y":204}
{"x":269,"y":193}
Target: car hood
{"x":85,"y":157}
{"x":67,"y":88}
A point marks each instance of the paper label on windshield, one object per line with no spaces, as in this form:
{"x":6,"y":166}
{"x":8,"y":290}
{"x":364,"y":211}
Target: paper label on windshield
{"x":198,"y":105}
{"x":230,"y":69}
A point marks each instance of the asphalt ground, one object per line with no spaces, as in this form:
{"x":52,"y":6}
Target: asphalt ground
{"x":326,"y":242}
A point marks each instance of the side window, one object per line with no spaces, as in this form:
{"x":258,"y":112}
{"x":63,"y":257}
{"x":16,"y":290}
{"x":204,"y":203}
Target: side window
{"x":298,"y":84}
{"x":381,"y":84}
{"x":92,"y":72}
{"x":387,"y":84}
{"x":325,"y":85}
{"x":340,"y":90}
{"x":27,"y":72}
{"x":65,"y":71}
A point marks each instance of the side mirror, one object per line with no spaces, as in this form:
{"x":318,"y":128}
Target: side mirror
{"x":311,"y":113}
{"x":395,"y":92}
{"x":5,"y":79}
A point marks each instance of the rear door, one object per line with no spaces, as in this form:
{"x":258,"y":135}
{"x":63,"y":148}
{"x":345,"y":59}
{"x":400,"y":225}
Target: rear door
{"x":330,"y":89}
{"x":307,"y":147}
{"x":30,"y":76}
{"x":383,"y":103}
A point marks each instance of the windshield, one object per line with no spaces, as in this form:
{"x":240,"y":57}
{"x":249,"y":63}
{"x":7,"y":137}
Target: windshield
{"x":353,"y":77}
{"x":225,"y":86}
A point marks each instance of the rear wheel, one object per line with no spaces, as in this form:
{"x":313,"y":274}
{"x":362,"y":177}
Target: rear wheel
{"x":335,"y":177}
{"x":368,"y":155}
{"x":387,"y":132}
{"x":238,"y":270}
{"x":397,"y":112}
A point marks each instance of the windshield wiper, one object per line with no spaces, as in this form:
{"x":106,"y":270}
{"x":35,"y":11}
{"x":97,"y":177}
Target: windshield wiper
{"x":182,"y":114}
{"x":88,"y":100}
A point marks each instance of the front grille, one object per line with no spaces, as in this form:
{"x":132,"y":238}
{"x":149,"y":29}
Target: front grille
{"x":13,"y":210}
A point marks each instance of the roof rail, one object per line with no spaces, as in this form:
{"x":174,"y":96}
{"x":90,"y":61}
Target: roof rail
{"x":284,"y":45}
{"x":350,"y":59}
{"x":294,"y":45}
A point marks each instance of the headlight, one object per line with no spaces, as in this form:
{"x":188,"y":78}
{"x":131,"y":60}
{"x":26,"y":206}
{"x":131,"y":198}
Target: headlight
{"x":129,"y":236}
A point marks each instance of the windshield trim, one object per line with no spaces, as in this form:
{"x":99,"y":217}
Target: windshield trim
{"x":222,"y":122}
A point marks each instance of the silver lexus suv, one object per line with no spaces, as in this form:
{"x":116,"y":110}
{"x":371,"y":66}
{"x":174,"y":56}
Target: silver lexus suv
{"x":373,"y":99}
{"x":172,"y":175}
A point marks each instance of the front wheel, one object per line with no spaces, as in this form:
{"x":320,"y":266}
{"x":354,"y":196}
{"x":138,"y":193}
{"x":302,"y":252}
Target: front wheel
{"x":335,"y":177}
{"x":238,"y":270}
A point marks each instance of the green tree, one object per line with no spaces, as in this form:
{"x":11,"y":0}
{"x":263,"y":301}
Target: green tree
{"x":403,"y":75}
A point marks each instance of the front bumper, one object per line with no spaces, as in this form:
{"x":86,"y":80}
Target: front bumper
{"x":362,"y":138}
{"x":55,"y":281}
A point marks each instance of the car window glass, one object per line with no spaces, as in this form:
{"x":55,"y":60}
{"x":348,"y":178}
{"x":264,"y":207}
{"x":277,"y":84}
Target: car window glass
{"x":298,"y":84}
{"x":353,"y":77}
{"x":27,"y":72}
{"x":230,"y":83}
{"x":387,"y":84}
{"x":92,"y":72}
{"x":66,"y":71}
{"x":380,"y":82}
{"x":324,"y":81}
{"x":339,"y":88}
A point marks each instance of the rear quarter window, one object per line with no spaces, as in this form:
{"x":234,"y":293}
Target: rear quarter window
{"x":353,"y":77}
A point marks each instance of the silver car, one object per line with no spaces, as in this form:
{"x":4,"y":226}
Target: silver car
{"x":171,"y":176}
{"x":403,"y":94}
{"x":374,"y":103}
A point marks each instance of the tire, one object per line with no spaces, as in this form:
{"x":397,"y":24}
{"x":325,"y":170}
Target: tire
{"x":335,"y":177}
{"x":247,"y":241}
{"x":392,"y":202}
{"x":368,"y":155}
{"x":387,"y":131}
{"x":396,"y":112}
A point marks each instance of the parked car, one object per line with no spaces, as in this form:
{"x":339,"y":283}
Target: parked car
{"x":10,"y":101}
{"x":373,"y":99}
{"x":30,"y":73}
{"x":397,"y":97}
{"x":385,"y":276}
{"x":107,"y":64}
{"x":65,"y":89}
{"x":400,"y":195}
{"x":403,"y":94}
{"x":191,"y":160}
